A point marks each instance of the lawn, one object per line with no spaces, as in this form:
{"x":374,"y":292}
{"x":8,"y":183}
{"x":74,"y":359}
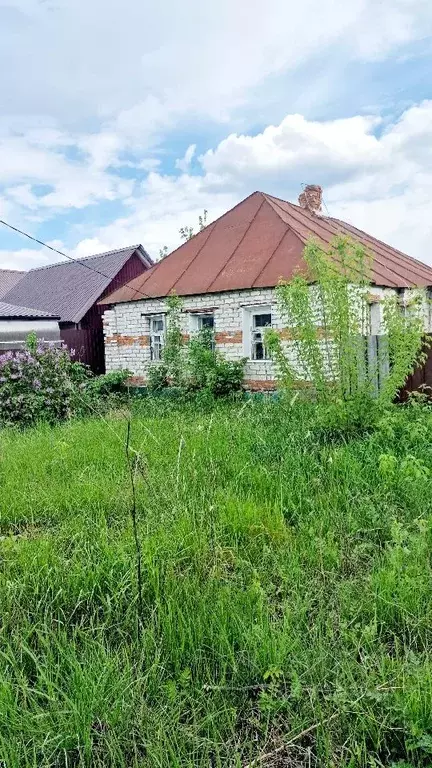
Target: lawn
{"x":286,"y":591}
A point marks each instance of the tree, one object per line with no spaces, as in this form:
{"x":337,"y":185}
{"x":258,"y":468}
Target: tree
{"x":186,"y":233}
{"x":327,"y":315}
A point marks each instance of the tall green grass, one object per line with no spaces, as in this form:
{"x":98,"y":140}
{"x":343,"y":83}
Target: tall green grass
{"x":286,"y":585}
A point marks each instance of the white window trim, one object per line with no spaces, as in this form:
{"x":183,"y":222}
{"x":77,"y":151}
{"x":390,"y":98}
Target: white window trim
{"x":153,"y":334}
{"x":248,"y":313}
{"x":194,"y":319}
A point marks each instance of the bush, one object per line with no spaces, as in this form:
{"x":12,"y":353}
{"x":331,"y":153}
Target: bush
{"x":345,"y":419}
{"x":158,"y":377}
{"x":226,"y":377}
{"x":40,"y":383}
{"x":113,"y":383}
{"x":207,"y":370}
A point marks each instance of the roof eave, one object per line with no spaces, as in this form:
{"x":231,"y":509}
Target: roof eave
{"x":144,"y":256}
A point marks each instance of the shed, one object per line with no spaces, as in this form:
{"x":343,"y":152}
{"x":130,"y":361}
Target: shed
{"x":16,"y":323}
{"x":70,"y":291}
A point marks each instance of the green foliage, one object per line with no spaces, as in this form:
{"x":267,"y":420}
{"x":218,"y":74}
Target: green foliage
{"x":206,"y":369}
{"x":43,"y":383}
{"x":405,"y":334}
{"x":112,"y":383}
{"x":193,"y":366}
{"x":40,"y":383}
{"x":287,"y":589}
{"x":157,"y":377}
{"x":172,"y":351}
{"x":186,"y":233}
{"x":327,"y":316}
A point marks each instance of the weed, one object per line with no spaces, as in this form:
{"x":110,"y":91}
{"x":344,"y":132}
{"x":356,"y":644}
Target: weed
{"x":285,"y":588}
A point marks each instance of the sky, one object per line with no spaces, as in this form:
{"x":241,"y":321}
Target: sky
{"x":122,"y":121}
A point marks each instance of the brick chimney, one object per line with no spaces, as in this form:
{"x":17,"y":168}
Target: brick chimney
{"x":311,"y":198}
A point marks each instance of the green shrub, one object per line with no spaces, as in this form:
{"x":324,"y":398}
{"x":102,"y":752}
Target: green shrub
{"x":326,"y":312}
{"x":327,"y":316}
{"x":226,"y":377}
{"x":206,"y":369}
{"x":158,"y":377}
{"x":112,"y":383}
{"x":194,"y":366}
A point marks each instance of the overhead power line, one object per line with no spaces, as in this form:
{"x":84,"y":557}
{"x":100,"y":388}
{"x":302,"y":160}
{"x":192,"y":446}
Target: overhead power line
{"x":66,"y":256}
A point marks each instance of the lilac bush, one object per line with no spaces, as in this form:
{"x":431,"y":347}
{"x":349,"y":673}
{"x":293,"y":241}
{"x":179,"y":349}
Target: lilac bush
{"x":41,"y":383}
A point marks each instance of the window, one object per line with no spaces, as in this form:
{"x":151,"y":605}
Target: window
{"x":157,"y":327}
{"x":256,"y":319}
{"x":259,"y":323}
{"x":205,"y":321}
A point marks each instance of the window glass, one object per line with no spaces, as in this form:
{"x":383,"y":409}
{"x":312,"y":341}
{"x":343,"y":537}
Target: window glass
{"x":206,"y":321}
{"x":259,"y":322}
{"x":262,"y":321}
{"x":156,"y":337}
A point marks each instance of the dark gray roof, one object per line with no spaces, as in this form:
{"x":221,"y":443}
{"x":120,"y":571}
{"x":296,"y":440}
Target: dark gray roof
{"x":9,"y":311}
{"x":69,"y":288}
{"x":9,"y":278}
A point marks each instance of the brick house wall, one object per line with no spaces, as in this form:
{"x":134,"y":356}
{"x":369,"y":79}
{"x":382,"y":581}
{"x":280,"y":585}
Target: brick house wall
{"x":127,"y":340}
{"x":127,"y":343}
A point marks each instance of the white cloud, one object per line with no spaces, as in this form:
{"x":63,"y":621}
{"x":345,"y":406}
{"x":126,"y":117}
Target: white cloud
{"x":25,"y":258}
{"x":183,"y":164}
{"x":34,"y":159}
{"x":89,"y":89}
{"x":382,"y":184}
{"x":294,"y":146}
{"x":143,"y":65}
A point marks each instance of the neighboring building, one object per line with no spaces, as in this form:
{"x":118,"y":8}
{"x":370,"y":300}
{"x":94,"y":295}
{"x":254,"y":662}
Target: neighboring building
{"x":70,"y":290}
{"x":227,"y":274}
{"x":8,"y":279}
{"x":17,"y":322}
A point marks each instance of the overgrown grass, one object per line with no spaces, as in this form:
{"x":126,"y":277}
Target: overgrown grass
{"x":287,"y":587}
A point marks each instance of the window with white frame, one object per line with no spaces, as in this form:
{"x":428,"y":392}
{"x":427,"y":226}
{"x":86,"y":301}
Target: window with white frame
{"x":256,"y":320}
{"x":157,"y":331}
{"x":204,"y":321}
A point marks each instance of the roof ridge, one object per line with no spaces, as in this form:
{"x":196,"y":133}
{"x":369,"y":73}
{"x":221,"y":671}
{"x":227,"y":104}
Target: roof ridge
{"x":274,"y":202}
{"x":14,"y":271}
{"x":385,"y":255}
{"x":211,"y":228}
{"x":78,"y":259}
{"x":238,"y":244}
{"x":157,"y":264}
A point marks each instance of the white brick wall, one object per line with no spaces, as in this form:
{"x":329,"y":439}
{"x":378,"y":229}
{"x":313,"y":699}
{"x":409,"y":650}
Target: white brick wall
{"x":125,"y":325}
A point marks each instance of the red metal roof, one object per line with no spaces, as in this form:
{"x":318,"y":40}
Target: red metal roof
{"x":254,"y":245}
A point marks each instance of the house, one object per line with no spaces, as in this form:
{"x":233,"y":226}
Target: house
{"x":70,"y":291}
{"x":227,"y":275}
{"x":16,"y":323}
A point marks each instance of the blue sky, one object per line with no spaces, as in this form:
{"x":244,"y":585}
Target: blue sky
{"x":121,"y":122}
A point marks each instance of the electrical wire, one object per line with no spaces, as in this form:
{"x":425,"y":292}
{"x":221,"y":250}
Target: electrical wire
{"x":82,"y":262}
